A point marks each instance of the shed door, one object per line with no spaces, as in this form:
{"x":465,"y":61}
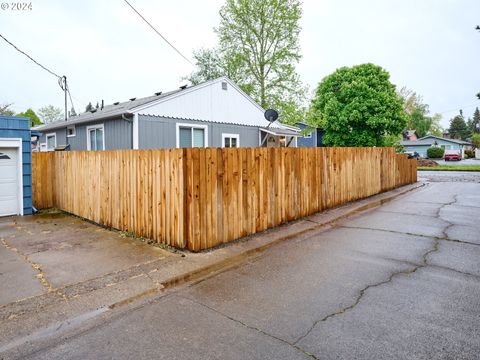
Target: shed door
{"x":9,"y":181}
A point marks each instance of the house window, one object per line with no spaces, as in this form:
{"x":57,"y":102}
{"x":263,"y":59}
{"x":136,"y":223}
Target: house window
{"x":189,"y":136}
{"x":51,"y":141}
{"x":230,"y":140}
{"x":308,"y":136}
{"x":95,"y":137}
{"x":71,"y":131}
{"x":446,"y":147}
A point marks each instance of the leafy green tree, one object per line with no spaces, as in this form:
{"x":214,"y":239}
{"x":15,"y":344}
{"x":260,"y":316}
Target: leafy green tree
{"x":5,"y":110}
{"x":474,"y":123}
{"x":436,"y":128}
{"x":34,"y":119}
{"x":476,"y":140}
{"x":458,"y":128}
{"x":358,"y":106}
{"x":258,"y":49}
{"x":50,"y":113}
{"x":417,"y":111}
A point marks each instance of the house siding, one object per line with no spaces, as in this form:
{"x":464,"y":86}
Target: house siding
{"x":156,"y":132}
{"x":17,"y":127}
{"x":118,"y":135}
{"x":307,"y":141}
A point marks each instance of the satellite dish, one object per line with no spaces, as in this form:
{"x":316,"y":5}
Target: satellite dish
{"x":271,"y":115}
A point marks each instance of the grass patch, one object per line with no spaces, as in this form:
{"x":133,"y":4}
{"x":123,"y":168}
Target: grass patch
{"x":450,"y":168}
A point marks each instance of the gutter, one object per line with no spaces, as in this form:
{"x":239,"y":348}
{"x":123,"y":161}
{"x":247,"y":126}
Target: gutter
{"x":64,"y":124}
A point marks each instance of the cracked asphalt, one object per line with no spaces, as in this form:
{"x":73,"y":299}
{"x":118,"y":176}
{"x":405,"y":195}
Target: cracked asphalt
{"x":401,"y":281}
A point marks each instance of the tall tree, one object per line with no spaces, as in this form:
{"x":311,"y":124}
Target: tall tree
{"x":458,"y":128}
{"x":258,"y":49}
{"x":34,"y":119}
{"x":50,"y":113}
{"x":358,"y":106}
{"x":417,"y":111}
{"x":5,"y":110}
{"x":474,"y":123}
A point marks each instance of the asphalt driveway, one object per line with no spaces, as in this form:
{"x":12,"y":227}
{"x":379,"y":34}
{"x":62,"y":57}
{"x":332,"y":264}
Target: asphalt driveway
{"x":401,"y":281}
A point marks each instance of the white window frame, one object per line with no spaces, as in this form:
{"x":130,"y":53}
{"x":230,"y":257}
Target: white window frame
{"x":94,"y":127}
{"x":308,"y":136}
{"x":192,"y":126}
{"x":231,"y":136}
{"x":74,"y":130}
{"x":46,"y":141}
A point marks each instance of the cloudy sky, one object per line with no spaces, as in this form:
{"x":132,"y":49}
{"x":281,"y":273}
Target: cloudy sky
{"x":108,"y":53}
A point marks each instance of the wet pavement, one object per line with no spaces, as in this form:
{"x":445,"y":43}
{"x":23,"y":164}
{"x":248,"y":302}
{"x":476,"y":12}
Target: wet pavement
{"x":400,"y":281}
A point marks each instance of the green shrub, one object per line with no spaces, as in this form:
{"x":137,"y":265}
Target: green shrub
{"x":469,"y":154}
{"x":435,"y":152}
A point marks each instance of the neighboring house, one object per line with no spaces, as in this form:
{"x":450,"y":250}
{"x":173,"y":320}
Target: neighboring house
{"x":35,"y":140}
{"x":313,"y":136}
{"x":15,"y":166}
{"x":216,"y":113}
{"x":421,"y":145}
{"x":410,"y":135}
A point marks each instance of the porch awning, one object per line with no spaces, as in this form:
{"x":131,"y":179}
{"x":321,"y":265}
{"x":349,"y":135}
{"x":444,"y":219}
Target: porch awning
{"x":281,"y":132}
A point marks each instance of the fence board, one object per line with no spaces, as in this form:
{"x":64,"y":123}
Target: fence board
{"x":200,"y":198}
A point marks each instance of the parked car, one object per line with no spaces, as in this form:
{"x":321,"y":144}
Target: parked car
{"x":452,"y":155}
{"x":412,"y":154}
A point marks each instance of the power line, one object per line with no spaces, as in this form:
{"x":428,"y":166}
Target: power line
{"x":28,"y":56}
{"x":71,"y":101}
{"x":163,"y":37}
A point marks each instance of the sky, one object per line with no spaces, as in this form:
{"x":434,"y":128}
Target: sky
{"x":108,"y":53}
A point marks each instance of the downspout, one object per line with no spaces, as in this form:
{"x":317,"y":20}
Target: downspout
{"x":135,"y":132}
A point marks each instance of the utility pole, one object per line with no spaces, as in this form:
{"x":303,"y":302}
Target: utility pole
{"x":62,"y":82}
{"x":65,"y":91}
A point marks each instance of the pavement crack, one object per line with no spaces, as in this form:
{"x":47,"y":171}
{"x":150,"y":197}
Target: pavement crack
{"x":412,"y":234}
{"x":37,"y":267}
{"x":263,"y":332}
{"x":362,"y":292}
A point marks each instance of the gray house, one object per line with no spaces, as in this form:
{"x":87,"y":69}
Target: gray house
{"x":216,"y":113}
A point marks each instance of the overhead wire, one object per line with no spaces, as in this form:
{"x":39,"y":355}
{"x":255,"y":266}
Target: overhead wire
{"x":158,"y":32}
{"x":28,"y":56}
{"x":60,"y":78}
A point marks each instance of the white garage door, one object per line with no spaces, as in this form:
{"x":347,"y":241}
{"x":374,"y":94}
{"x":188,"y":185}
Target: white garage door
{"x":9,"y":181}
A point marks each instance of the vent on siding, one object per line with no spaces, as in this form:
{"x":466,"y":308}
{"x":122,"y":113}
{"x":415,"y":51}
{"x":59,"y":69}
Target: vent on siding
{"x":224,"y":85}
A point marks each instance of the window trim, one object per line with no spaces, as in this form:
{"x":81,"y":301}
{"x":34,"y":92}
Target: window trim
{"x":226,"y":135}
{"x":94,"y":127}
{"x":74,"y":130}
{"x":192,"y":126}
{"x":46,"y":141}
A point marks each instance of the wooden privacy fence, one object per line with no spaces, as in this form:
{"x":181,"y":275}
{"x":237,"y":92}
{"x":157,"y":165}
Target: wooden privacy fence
{"x":200,"y":198}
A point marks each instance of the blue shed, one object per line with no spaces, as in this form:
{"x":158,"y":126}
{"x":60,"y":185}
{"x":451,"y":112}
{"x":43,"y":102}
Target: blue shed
{"x":15,"y":166}
{"x":312,"y":139}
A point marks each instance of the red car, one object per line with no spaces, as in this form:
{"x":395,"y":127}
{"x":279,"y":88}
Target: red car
{"x":452,"y":155}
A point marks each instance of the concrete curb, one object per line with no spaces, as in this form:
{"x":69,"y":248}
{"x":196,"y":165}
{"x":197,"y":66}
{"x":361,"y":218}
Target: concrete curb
{"x":197,"y":266}
{"x":143,"y":283}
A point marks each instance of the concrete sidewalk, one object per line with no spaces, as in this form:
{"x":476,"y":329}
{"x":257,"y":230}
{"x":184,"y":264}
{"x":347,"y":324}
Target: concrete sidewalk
{"x":59,"y":267}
